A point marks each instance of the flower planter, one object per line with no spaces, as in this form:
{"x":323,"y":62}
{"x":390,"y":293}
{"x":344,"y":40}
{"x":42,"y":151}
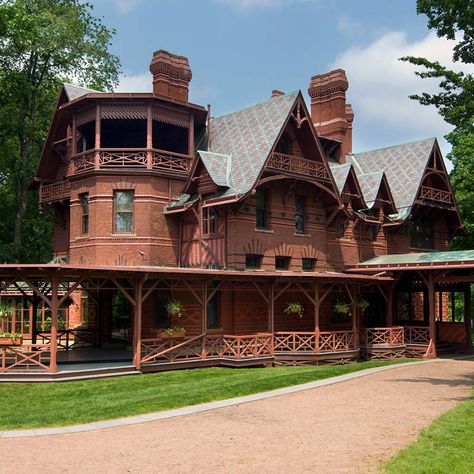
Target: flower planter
{"x":7,"y":341}
{"x":177,"y":335}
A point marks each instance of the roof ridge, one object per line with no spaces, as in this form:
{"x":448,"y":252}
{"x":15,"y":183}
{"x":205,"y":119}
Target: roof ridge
{"x":394,"y":146}
{"x":296,"y":92}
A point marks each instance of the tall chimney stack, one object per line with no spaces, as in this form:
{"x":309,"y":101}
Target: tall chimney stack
{"x":331,"y":116}
{"x":171,"y":75}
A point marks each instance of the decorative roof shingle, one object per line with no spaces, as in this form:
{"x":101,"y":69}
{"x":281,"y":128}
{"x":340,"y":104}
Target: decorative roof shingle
{"x":74,"y":92}
{"x":370,"y":185}
{"x":340,"y":174}
{"x":218,"y":166}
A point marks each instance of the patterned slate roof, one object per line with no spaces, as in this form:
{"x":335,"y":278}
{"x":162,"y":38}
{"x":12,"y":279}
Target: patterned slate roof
{"x":74,"y":92}
{"x":340,"y":174}
{"x":403,"y":165}
{"x":218,"y":166}
{"x":370,"y":185}
{"x":248,"y":136}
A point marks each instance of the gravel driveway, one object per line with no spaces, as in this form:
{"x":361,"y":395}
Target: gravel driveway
{"x":351,"y":426}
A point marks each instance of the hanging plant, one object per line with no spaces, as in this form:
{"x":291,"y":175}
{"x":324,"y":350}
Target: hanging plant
{"x":294,"y":308}
{"x":68,"y":302}
{"x":174,"y":309}
{"x":6,"y":311}
{"x":342,"y":308}
{"x":362,"y":304}
{"x":174,"y":332}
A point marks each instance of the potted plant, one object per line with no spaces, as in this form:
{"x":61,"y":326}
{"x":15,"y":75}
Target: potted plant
{"x":362,"y":304}
{"x":6,"y":311}
{"x":174,"y":309}
{"x":11,"y":339}
{"x":294,"y":308}
{"x":173,"y":333}
{"x":343,"y":308}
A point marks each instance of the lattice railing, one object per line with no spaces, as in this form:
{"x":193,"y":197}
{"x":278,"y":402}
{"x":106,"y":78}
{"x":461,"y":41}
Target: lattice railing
{"x":312,"y":342}
{"x":297,"y":165}
{"x":83,"y":162}
{"x":122,"y":159}
{"x":434,"y":194}
{"x":204,"y":347}
{"x":417,"y":335}
{"x":392,"y":336}
{"x":162,"y":160}
{"x":25,"y":358}
{"x":71,"y":338}
{"x":55,"y":191}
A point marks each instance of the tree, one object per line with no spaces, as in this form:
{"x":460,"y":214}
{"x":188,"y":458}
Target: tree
{"x":43,"y":43}
{"x":454,"y":20}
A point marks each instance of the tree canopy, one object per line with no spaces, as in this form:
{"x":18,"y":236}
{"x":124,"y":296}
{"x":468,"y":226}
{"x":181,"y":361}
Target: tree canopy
{"x":454,"y":20}
{"x":43,"y":43}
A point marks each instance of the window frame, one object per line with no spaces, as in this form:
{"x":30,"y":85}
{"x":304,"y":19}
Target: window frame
{"x":300,"y":207}
{"x":258,"y":258}
{"x":213,"y":307}
{"x":85,"y":212}
{"x":209,"y":221}
{"x":261,"y":212}
{"x":419,"y":236}
{"x":116,"y":211}
{"x":285,"y":260}
{"x":312,"y":266}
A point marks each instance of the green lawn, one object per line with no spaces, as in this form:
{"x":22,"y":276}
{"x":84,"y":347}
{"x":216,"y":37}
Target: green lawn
{"x":56,"y":404}
{"x":447,"y":446}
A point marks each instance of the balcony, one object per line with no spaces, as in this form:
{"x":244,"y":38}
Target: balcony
{"x":437,"y":195}
{"x":299,"y":166}
{"x":130,"y":158}
{"x":55,"y":192}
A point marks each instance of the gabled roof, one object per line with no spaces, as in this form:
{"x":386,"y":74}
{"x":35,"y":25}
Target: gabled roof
{"x":370,"y":185}
{"x":219,"y":167}
{"x":340,"y":174}
{"x":403,"y":165}
{"x":74,"y":92}
{"x":248,"y":137}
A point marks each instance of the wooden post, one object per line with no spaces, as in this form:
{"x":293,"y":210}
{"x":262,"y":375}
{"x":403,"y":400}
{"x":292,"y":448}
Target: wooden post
{"x":204,"y":307}
{"x":191,"y":136}
{"x":467,"y":317}
{"x":271,"y":308}
{"x":317,"y":304}
{"x":97,"y":138}
{"x":74,"y":136}
{"x":137,"y":323}
{"x":53,"y":366}
{"x":389,"y":303}
{"x":431,"y":352}
{"x":149,"y":137}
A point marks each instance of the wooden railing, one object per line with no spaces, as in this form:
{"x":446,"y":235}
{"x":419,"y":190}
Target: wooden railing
{"x":297,"y":165}
{"x":71,"y":338}
{"x":55,"y":192}
{"x":25,"y":358}
{"x":205,"y":347}
{"x":417,"y":335}
{"x":130,"y":158}
{"x":392,"y":336}
{"x":434,"y":194}
{"x":312,"y":342}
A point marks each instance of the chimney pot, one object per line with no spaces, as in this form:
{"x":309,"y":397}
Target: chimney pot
{"x":277,"y":93}
{"x":171,"y":75}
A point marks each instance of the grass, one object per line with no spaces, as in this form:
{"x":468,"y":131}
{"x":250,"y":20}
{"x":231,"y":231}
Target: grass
{"x":58,"y":404}
{"x":447,"y":446}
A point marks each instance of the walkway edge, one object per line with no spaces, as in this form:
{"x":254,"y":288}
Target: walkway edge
{"x":204,"y":407}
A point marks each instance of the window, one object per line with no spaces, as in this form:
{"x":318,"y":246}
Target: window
{"x":283,"y":146}
{"x":123,"y":211}
{"x":308,"y":264}
{"x":213,"y":319}
{"x":282,"y":263}
{"x":253,"y":261}
{"x":209,"y":221}
{"x":373,"y":232}
{"x":340,"y":229}
{"x":261,"y":208}
{"x":299,"y":214}
{"x":421,"y":235}
{"x":84,"y":198}
{"x":84,"y":310}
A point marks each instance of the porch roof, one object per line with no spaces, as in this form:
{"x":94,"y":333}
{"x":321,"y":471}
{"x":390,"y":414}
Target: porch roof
{"x":460,"y":259}
{"x":74,"y":272}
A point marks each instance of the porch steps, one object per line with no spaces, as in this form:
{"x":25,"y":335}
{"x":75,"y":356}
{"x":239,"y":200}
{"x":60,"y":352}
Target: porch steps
{"x":69,"y":375}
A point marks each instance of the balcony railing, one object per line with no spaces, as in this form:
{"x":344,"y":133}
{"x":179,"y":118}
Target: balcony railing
{"x":434,"y":194}
{"x":390,"y":336}
{"x":129,"y":158}
{"x":312,"y":342}
{"x":297,"y":165}
{"x":417,"y":335}
{"x":55,"y":192}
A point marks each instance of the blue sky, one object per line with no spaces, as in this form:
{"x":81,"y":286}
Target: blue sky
{"x":239,"y":50}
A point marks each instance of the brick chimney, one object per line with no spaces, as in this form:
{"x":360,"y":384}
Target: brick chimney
{"x":171,"y":75}
{"x":331,"y":116}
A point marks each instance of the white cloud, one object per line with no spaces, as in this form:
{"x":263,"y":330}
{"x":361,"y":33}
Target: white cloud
{"x":380,"y":85}
{"x":248,"y":4}
{"x":348,"y":26}
{"x":135,"y":83}
{"x":126,"y":6}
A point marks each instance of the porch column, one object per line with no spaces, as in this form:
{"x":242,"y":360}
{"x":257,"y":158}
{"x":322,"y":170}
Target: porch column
{"x":431,"y":352}
{"x":97,"y":138}
{"x":467,"y":317}
{"x":389,"y":305}
{"x":149,"y":137}
{"x":355,"y":326}
{"x":74,"y":136}
{"x":204,"y":307}
{"x":53,"y":365}
{"x":271,"y":308}
{"x":137,"y":324}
